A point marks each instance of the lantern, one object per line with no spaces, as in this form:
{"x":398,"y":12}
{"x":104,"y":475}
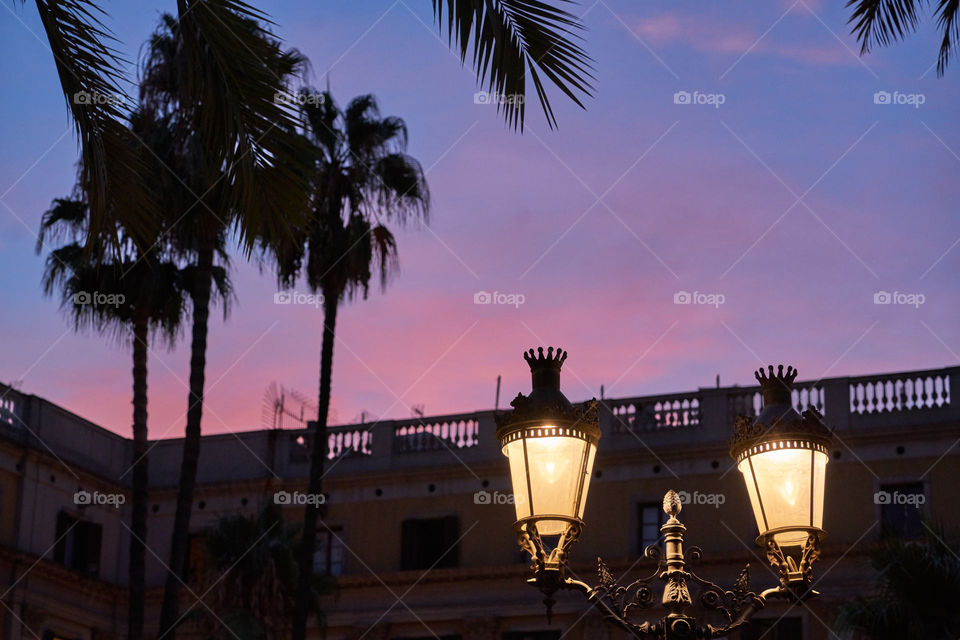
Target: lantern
{"x":783,"y":458}
{"x":551,"y":447}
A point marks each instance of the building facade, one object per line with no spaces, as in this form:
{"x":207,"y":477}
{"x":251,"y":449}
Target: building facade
{"x":418,"y":526}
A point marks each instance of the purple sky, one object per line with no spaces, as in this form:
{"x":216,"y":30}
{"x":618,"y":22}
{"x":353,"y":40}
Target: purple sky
{"x":796,"y":200}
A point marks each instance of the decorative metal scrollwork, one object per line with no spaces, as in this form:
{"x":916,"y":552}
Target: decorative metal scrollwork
{"x":617,"y":603}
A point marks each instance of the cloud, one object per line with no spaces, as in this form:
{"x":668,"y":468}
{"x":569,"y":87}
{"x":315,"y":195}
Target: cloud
{"x":707,"y":35}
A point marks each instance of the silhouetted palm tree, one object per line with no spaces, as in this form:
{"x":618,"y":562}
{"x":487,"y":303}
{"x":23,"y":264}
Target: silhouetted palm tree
{"x":363,"y":179}
{"x":918,"y":586}
{"x":251,"y":574}
{"x":880,"y":22}
{"x":506,"y":41}
{"x":131,"y":296}
{"x":241,"y":168}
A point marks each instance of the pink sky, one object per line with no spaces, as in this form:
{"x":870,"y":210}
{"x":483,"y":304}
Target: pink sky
{"x":694,"y":198}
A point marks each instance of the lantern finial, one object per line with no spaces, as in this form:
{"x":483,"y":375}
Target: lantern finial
{"x":672,"y":503}
{"x":552,"y":360}
{"x":545,"y":368}
{"x":776,"y":387}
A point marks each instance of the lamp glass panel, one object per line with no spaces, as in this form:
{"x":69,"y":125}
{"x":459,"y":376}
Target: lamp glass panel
{"x":518,"y":474}
{"x":555,"y":467}
{"x":785,"y":482}
{"x":591,"y":454}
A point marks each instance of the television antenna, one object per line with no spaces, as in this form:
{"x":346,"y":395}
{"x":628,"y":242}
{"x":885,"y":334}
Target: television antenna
{"x":285,"y":408}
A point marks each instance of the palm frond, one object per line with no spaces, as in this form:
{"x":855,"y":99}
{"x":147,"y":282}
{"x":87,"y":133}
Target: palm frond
{"x":949,"y":24}
{"x":230,"y":80}
{"x":514,"y":39}
{"x":90,"y":78}
{"x":401,"y":188}
{"x":384,"y":253}
{"x":882,"y":22}
{"x":66,"y":217}
{"x":915,"y":594}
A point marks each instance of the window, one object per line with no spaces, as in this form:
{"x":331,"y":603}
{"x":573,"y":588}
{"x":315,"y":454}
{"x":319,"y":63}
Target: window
{"x":772,"y":629}
{"x":328,"y":552}
{"x":10,"y":411}
{"x":78,"y":544}
{"x":900,"y":509}
{"x":431,"y":542}
{"x":196,"y":559}
{"x":650,"y":517}
{"x":532,"y":635}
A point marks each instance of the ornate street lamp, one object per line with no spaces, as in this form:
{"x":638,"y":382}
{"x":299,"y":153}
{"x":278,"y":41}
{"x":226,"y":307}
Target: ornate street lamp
{"x":551,"y":446}
{"x":783,"y":458}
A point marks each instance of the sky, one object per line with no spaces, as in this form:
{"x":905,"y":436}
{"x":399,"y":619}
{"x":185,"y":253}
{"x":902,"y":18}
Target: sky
{"x":743,"y":189}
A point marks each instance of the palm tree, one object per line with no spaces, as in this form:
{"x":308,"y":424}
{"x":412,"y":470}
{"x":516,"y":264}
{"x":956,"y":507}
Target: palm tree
{"x":89,"y":69}
{"x":510,"y":40}
{"x":362,"y":179}
{"x":241,"y":168}
{"x":880,"y":22}
{"x":251,"y":574}
{"x":118,"y":293}
{"x":916,"y":597}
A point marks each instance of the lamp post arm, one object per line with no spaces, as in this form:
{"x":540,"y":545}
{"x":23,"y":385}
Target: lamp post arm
{"x":618,"y":604}
{"x":595,"y":596}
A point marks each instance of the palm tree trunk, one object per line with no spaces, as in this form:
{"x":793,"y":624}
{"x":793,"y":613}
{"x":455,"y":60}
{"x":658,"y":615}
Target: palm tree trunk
{"x":138,"y":519}
{"x":318,"y":457}
{"x":177,"y":569}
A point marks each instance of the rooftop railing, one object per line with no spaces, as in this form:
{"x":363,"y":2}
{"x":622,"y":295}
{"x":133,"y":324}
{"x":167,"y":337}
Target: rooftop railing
{"x":881,"y":400}
{"x":886,"y":401}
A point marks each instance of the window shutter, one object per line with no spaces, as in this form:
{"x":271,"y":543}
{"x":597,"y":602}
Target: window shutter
{"x":63,"y":524}
{"x":451,"y":535}
{"x":408,"y":544}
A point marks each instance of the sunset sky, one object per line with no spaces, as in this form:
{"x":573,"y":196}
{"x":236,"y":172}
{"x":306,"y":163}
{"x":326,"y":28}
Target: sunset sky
{"x":790,"y":197}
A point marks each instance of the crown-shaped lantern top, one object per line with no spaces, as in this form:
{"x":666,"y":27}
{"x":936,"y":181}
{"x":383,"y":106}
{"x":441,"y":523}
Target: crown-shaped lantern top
{"x":777,"y":418}
{"x":776,"y":387}
{"x":545,"y":369}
